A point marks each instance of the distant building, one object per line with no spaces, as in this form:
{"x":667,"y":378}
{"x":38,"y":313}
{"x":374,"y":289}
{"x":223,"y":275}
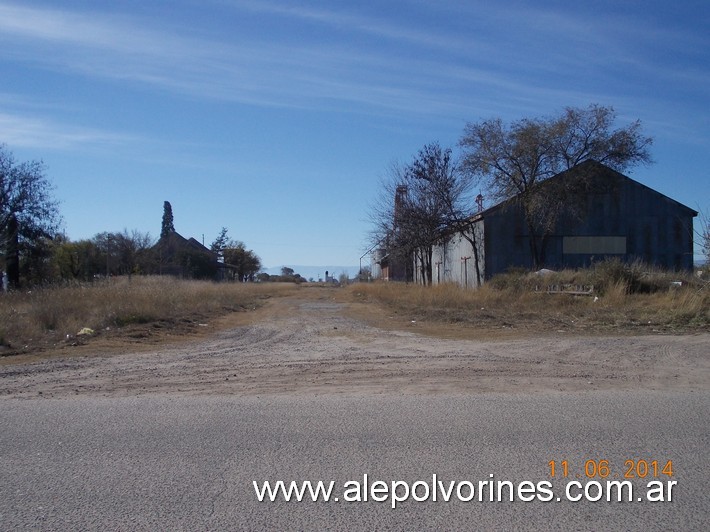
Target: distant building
{"x":388,"y":262}
{"x":617,"y":217}
{"x":391,"y":266}
{"x":185,"y":258}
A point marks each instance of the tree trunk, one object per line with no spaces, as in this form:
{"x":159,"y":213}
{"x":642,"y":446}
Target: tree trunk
{"x":473,"y":240}
{"x":429,"y":272}
{"x":12,"y":252}
{"x":534,"y":252}
{"x":422,"y":268}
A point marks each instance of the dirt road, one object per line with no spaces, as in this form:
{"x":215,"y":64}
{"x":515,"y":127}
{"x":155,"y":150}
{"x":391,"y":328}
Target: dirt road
{"x":312,"y":343}
{"x":312,"y":386}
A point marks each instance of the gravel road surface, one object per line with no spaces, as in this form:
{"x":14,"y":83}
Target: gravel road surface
{"x":188,"y":463}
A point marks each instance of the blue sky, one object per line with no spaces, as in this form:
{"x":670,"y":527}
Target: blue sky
{"x":279,"y":119}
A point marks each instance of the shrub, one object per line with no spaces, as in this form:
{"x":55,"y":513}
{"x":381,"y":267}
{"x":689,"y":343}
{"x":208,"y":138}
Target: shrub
{"x":638,"y":277}
{"x":513,"y":279}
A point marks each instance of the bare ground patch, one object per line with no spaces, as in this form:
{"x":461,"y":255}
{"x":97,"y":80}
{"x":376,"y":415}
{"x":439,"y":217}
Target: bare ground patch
{"x":317,"y":341}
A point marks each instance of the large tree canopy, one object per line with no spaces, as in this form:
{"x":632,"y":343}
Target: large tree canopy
{"x":511,"y":160}
{"x":28,"y":211}
{"x":26,"y":195}
{"x":244,"y":262}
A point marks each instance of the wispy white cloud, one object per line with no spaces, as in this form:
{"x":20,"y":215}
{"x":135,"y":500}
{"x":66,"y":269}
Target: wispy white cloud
{"x":27,"y":131}
{"x":264,"y":73}
{"x":118,"y":48}
{"x":349,"y":21}
{"x":419,"y":70}
{"x":96,"y":31}
{"x":512,"y":45}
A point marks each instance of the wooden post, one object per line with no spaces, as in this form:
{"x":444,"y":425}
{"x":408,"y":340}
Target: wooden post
{"x":465,"y":270}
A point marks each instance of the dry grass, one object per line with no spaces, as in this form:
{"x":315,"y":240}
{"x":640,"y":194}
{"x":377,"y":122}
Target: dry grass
{"x":507,"y":304}
{"x":158,"y":306}
{"x":40,"y":318}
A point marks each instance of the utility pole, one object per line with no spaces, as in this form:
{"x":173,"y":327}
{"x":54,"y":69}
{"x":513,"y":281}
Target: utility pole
{"x":465,"y":270}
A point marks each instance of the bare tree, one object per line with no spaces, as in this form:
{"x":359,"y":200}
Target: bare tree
{"x":423,"y":200}
{"x":704,"y":234}
{"x":132,"y":251}
{"x":451,"y":190}
{"x":513,"y":160}
{"x":124,"y":253}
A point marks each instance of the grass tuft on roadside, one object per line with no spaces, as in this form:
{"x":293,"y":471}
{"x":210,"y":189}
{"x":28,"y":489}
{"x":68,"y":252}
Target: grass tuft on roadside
{"x":622,"y":299}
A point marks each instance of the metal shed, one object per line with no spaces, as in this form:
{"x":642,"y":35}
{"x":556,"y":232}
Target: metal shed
{"x":615,"y":217}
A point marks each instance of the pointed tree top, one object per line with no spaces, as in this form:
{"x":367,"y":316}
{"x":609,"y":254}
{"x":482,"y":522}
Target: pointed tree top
{"x":167,"y":226}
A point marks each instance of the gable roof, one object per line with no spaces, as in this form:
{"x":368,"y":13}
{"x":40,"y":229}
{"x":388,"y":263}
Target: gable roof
{"x":175,"y":241}
{"x":585,"y":169}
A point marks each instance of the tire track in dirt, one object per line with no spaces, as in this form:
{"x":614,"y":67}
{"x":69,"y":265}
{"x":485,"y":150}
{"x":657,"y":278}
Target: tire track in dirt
{"x":308,"y":344}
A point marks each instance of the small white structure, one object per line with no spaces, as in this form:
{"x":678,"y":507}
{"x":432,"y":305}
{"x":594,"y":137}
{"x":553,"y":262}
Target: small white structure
{"x":376,"y":263}
{"x":456,"y":260}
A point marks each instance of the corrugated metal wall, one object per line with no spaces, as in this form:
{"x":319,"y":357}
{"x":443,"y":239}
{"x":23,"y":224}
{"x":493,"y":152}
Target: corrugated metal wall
{"x":654,"y":228}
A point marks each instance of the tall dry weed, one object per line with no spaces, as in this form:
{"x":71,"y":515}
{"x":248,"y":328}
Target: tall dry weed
{"x":616,"y":293}
{"x":28,"y":316}
{"x":668,"y":307}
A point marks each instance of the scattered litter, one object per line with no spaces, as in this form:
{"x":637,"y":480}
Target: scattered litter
{"x":544,"y":271}
{"x":569,"y":289}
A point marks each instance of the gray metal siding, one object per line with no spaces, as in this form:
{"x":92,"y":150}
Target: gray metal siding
{"x":448,"y":261}
{"x":657,"y":230}
{"x":618,"y":210}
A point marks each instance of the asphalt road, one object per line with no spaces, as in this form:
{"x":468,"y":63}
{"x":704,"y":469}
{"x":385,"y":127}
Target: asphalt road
{"x":188,"y":463}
